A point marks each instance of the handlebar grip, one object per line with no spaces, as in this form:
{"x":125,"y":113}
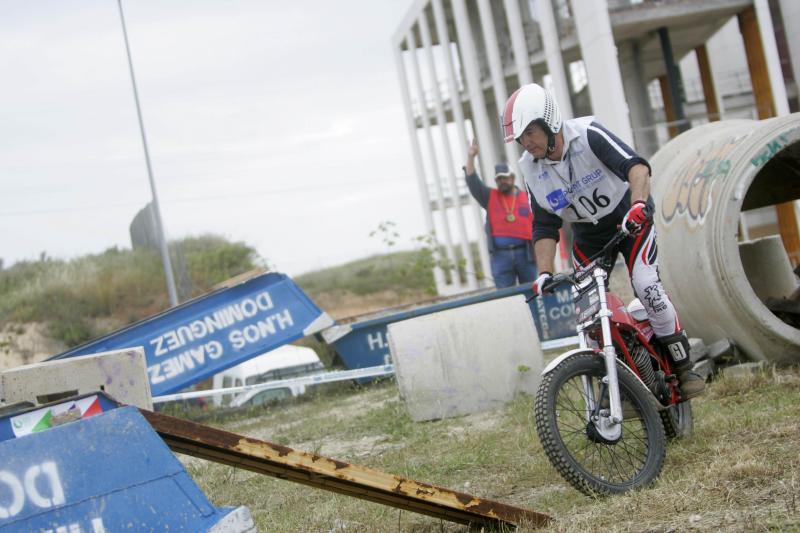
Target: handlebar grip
{"x":553,"y":282}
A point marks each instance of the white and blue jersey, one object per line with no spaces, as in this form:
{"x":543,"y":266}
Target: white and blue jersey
{"x":588,"y":187}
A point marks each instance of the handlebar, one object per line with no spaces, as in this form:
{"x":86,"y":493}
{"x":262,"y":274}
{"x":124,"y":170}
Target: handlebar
{"x":561,"y":278}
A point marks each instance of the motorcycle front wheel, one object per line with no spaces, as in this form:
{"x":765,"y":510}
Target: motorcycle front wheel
{"x":592,"y":464}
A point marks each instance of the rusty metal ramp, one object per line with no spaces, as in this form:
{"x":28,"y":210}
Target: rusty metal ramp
{"x":279,"y":461}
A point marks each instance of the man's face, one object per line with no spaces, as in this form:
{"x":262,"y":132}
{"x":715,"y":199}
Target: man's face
{"x":505,"y":184}
{"x":534,"y":141}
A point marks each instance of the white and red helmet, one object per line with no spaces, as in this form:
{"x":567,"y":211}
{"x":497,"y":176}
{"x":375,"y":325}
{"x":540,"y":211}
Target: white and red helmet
{"x":530,"y":103}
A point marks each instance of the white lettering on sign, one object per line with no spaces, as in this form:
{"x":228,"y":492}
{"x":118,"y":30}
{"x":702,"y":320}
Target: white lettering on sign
{"x":218,"y":320}
{"x":376,"y":340}
{"x":184,"y":362}
{"x":564,"y":311}
{"x":542,"y":312}
{"x":239,"y":338}
{"x":28,"y":489}
{"x":563,"y":297}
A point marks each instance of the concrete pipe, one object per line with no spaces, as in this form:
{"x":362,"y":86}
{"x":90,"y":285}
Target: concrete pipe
{"x":702,"y":181}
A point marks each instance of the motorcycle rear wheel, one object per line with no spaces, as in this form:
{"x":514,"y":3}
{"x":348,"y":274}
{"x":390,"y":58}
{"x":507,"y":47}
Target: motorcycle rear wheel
{"x":592,"y":467}
{"x":678,"y":420}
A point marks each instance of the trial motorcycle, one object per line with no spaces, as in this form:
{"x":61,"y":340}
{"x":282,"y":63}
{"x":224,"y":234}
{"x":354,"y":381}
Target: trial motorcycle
{"x":605,"y":410}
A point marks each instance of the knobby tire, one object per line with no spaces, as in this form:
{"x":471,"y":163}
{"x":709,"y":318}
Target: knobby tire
{"x":591,"y":467}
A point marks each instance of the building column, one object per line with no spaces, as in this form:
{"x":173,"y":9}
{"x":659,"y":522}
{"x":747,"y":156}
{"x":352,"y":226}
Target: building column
{"x":707,"y":79}
{"x":602,"y":69}
{"x":480,"y":120}
{"x":674,"y":81}
{"x":469,"y":62}
{"x":552,"y":53}
{"x":441,"y":122}
{"x":790,"y":13}
{"x":422,"y":185}
{"x":642,"y":120}
{"x":442,"y":206}
{"x":458,"y":115}
{"x":669,"y":110}
{"x":768,"y":106}
{"x":773,"y":61}
{"x":498,"y":78}
{"x":522,"y":58}
{"x":757,"y":62}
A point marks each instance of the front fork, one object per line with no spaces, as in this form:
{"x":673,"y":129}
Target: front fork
{"x":610,"y":426}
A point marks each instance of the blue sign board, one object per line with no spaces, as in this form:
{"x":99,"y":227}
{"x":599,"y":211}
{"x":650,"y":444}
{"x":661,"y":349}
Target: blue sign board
{"x":33,"y":420}
{"x":364,"y":343}
{"x":110,"y":472}
{"x":204,"y":336}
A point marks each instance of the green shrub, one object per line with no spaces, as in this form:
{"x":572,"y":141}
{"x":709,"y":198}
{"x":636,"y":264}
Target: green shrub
{"x":399,"y":271}
{"x":125,"y":285}
{"x":211,"y":259}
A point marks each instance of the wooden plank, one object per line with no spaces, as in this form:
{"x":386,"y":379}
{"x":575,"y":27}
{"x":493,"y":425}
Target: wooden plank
{"x":787,"y":222}
{"x":314,"y":470}
{"x":757,"y":63}
{"x":709,"y":91}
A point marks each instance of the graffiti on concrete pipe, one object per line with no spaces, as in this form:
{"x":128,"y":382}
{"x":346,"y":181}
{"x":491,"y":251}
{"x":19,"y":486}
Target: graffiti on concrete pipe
{"x":772,"y":147}
{"x":691,"y":196}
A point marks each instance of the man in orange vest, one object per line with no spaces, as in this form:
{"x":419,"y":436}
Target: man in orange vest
{"x":509,"y":223}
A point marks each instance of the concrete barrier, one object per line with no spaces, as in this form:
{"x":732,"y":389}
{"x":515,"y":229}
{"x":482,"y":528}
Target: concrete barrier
{"x":767,"y":267}
{"x":121,"y":374}
{"x":467,"y":359}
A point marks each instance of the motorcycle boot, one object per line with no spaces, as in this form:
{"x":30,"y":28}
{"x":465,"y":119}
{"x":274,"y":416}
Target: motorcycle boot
{"x":676,"y":347}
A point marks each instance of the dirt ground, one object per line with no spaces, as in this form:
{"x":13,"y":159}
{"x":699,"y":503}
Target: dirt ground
{"x":22,"y":344}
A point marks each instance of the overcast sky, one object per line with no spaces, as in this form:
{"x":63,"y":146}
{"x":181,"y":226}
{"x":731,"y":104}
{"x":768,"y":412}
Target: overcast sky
{"x":279,"y":124}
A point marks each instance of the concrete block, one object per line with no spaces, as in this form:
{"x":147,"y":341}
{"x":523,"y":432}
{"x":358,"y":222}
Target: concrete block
{"x":725,"y":353}
{"x":697,"y":349}
{"x":705,"y":368}
{"x":122,"y":374}
{"x":721,"y":349}
{"x":743,"y":370}
{"x":466,"y":360}
{"x":767,"y":267}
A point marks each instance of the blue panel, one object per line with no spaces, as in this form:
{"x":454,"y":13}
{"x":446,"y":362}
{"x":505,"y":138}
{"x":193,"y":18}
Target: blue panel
{"x":110,"y":472}
{"x":206,"y":335}
{"x":367,"y":344}
{"x":554,"y":315}
{"x":365,"y":347}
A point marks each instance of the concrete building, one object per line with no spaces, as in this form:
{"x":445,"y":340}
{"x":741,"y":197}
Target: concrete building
{"x":647,"y":69}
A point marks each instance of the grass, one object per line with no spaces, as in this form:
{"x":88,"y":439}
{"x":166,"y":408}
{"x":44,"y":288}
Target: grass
{"x":739,"y":471}
{"x":397,"y":271}
{"x":379,"y":281}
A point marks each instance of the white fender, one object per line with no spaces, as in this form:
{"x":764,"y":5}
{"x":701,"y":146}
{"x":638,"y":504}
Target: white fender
{"x":577,"y":351}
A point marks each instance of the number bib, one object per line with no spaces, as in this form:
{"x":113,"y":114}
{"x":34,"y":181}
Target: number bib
{"x":578,"y":189}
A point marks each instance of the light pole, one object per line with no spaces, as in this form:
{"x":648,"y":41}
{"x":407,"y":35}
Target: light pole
{"x":162,"y":241}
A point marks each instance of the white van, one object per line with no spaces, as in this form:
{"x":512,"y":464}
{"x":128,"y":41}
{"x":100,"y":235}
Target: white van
{"x":284,"y":362}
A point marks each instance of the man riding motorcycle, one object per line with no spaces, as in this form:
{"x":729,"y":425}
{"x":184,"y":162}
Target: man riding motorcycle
{"x":579,"y":172}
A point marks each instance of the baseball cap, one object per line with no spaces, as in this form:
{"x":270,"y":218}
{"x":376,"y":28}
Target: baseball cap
{"x":502,"y":169}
